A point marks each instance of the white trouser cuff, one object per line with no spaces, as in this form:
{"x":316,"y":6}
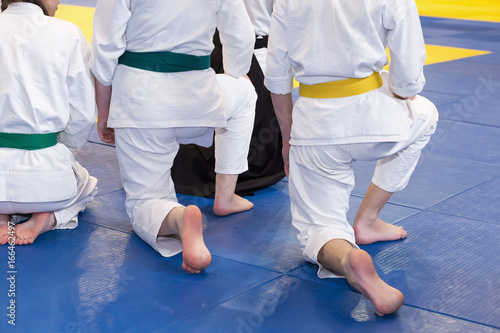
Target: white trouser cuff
{"x":317,"y":240}
{"x":147,"y":221}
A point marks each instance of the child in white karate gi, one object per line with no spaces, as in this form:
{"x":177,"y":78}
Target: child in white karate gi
{"x":348,"y":111}
{"x":155,"y":56}
{"x":47,"y":110}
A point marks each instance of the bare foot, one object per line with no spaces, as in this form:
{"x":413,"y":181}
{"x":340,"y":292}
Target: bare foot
{"x":361,"y":274}
{"x":28,"y":231}
{"x":4,"y":229}
{"x":195,"y":254}
{"x":377,"y":231}
{"x":231,"y":205}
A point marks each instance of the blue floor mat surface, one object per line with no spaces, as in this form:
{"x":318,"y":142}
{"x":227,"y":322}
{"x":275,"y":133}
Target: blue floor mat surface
{"x":101,"y":277}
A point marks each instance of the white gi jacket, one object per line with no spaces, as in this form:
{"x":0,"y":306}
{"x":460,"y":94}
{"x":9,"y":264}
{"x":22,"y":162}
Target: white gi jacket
{"x":162,"y":100}
{"x":260,"y":12}
{"x":45,"y":87}
{"x":321,"y":41}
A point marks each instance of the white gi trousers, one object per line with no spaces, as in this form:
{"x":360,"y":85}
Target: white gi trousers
{"x":322,"y":178}
{"x":146,"y":155}
{"x":65,"y":211}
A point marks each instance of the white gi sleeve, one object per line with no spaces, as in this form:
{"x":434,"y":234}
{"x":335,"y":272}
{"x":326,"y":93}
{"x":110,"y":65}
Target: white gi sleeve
{"x":81,"y":95}
{"x":108,"y":40}
{"x":406,"y":45}
{"x":237,"y":37}
{"x":259,"y":12}
{"x":279,"y":72}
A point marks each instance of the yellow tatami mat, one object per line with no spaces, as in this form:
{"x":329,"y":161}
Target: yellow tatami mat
{"x":81,"y":16}
{"x":480,"y":10}
{"x":437,"y":53}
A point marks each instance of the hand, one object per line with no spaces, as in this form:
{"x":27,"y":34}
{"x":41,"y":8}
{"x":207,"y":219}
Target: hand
{"x":103,"y":100}
{"x":106,"y":134}
{"x":286,"y":153}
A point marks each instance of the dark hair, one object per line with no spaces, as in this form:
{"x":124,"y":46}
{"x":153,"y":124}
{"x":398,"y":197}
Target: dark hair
{"x":6,"y":3}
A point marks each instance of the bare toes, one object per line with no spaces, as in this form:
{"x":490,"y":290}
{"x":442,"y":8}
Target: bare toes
{"x":4,"y":239}
{"x":189,"y":269}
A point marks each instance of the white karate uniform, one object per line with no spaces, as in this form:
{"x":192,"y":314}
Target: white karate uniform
{"x":45,"y":87}
{"x":260,"y":12}
{"x":151,"y":111}
{"x":329,"y":135}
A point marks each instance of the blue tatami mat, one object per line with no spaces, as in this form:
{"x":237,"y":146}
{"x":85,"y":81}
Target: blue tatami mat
{"x":262,"y":236}
{"x":447,"y":264}
{"x":435,"y":179}
{"x":467,"y":141}
{"x":484,"y":77}
{"x":464,"y":84}
{"x":269,"y":241}
{"x":95,"y":279}
{"x":481,"y":202}
{"x":108,"y":210}
{"x":435,"y":26}
{"x":101,"y":277}
{"x":468,"y":34}
{"x":295,"y":305}
{"x":440,"y":99}
{"x":484,"y":111}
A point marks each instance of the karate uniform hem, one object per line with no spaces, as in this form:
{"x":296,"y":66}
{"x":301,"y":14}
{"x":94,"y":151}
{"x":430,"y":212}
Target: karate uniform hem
{"x":350,"y":140}
{"x":71,"y":224}
{"x":67,"y":218}
{"x":390,"y":189}
{"x":411,"y":90}
{"x":230,"y":171}
{"x":166,"y":246}
{"x":315,"y":245}
{"x":279,"y":86}
{"x":114,"y":123}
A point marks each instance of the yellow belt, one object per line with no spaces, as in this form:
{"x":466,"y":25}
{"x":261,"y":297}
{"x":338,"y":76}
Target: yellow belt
{"x":342,"y":88}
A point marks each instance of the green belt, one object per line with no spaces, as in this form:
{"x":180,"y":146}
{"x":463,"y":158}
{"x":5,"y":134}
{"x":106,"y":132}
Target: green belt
{"x":28,"y":141}
{"x":164,"y":62}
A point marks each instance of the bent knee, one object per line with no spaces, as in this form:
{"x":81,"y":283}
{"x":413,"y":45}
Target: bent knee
{"x":425,"y":106}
